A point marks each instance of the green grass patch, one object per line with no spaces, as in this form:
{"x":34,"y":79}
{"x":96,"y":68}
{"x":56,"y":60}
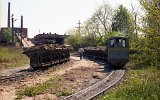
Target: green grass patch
{"x":33,"y":91}
{"x":12,"y":57}
{"x":52,"y":84}
{"x":140,"y":84}
{"x":65,"y":93}
{"x":39,"y":89}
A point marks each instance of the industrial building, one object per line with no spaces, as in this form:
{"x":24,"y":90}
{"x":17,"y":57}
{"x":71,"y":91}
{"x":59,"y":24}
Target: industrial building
{"x":10,"y":24}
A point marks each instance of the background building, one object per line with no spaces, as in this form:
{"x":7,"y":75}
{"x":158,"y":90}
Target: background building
{"x":49,"y":39}
{"x":19,"y":30}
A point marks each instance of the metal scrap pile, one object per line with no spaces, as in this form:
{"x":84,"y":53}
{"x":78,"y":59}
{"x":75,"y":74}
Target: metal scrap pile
{"x":46,"y":48}
{"x":100,"y":51}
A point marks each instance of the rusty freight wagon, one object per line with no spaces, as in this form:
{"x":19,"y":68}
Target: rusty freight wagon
{"x":47,"y":55}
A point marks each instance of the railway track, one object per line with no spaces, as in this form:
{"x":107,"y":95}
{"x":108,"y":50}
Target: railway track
{"x":98,"y":88}
{"x":18,"y":77}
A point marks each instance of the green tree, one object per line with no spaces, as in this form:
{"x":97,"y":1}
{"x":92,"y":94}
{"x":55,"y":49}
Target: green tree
{"x":151,"y":30}
{"x":104,"y":15}
{"x":75,"y":39}
{"x":7,"y":35}
{"x":151,"y":24}
{"x":123,"y":21}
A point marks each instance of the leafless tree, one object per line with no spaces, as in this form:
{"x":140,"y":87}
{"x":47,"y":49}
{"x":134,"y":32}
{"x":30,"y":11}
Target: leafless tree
{"x":104,"y":15}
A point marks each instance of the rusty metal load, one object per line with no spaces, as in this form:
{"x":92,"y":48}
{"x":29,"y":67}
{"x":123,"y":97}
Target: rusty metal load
{"x":47,"y":55}
{"x":96,"y":52}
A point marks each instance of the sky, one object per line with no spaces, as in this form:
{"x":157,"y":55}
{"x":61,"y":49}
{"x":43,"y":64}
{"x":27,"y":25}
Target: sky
{"x":55,"y":16}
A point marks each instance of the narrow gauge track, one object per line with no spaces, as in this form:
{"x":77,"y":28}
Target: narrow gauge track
{"x":18,"y":77}
{"x":98,"y":88}
{"x":21,"y":75}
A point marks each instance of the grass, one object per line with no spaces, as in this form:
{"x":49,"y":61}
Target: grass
{"x":65,"y":93}
{"x":33,"y":91}
{"x":52,"y":84}
{"x":140,"y":84}
{"x":12,"y":57}
{"x":39,"y":89}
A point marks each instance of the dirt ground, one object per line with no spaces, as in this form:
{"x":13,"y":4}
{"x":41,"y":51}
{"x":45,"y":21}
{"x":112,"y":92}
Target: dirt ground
{"x":77,"y":75}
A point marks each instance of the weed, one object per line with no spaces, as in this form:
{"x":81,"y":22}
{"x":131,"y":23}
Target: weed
{"x":65,"y":93}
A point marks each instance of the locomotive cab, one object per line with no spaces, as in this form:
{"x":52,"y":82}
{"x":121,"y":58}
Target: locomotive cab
{"x":118,"y":51}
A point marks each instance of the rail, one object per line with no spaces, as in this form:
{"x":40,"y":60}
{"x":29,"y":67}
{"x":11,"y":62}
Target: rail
{"x":98,"y":88}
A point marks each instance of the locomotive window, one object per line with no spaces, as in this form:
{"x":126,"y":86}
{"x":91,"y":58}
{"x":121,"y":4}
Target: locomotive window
{"x":117,"y":42}
{"x":123,"y":43}
{"x":112,"y":42}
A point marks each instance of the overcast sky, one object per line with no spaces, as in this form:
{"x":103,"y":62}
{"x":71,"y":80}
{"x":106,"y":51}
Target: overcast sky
{"x":56,"y":16}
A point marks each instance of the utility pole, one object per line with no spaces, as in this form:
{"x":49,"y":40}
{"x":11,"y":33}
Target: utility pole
{"x":13,"y":20}
{"x":79,"y":27}
{"x":21,"y":34}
